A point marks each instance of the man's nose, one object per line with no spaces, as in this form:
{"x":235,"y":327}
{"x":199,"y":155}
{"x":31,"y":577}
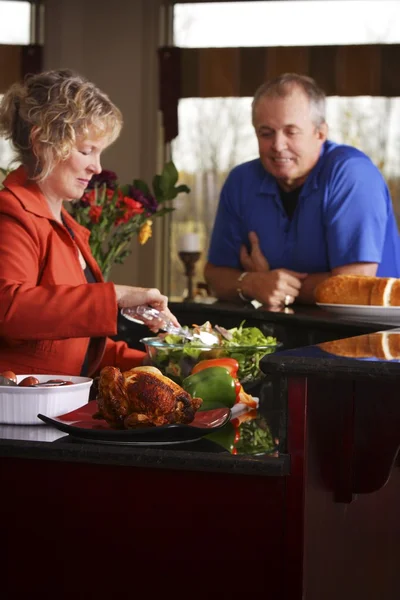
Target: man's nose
{"x":279,"y":141}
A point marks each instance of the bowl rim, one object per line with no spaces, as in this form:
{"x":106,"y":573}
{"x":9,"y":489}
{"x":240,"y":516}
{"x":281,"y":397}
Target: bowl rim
{"x":158,"y":343}
{"x":83,"y":381}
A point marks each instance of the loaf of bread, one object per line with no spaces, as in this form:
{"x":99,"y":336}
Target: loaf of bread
{"x":384,"y":345}
{"x":354,"y":347}
{"x":359,"y":289}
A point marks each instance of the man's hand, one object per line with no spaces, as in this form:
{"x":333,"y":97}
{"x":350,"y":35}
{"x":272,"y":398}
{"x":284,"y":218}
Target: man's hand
{"x":276,"y":288}
{"x":255,"y":260}
{"x":273,"y":288}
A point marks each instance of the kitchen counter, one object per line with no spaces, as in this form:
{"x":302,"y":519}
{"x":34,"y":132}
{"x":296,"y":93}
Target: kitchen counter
{"x":315,"y":518}
{"x":295,"y":327}
{"x":44,"y":443}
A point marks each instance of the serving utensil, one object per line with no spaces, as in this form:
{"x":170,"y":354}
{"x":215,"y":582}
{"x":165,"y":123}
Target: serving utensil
{"x":148,"y":313}
{"x":54,"y":383}
{"x":6,"y":381}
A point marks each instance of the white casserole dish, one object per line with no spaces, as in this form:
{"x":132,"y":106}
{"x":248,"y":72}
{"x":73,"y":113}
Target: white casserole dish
{"x":20,"y":405}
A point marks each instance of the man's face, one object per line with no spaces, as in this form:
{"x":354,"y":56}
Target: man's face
{"x":289,"y":142}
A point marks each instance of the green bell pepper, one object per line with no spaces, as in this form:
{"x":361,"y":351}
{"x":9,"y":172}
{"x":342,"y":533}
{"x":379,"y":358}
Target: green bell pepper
{"x":214,"y":385}
{"x":224,"y":437}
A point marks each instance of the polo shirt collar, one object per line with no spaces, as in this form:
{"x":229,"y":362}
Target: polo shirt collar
{"x":269,"y":184}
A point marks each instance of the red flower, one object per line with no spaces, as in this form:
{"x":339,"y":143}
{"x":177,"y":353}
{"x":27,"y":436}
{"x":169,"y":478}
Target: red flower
{"x":95,"y":213}
{"x":88,"y":198}
{"x":134,"y":207}
{"x":122,"y":219}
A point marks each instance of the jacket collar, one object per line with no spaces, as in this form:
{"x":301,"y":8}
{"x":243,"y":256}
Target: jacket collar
{"x":27,"y":192}
{"x":32,"y":199}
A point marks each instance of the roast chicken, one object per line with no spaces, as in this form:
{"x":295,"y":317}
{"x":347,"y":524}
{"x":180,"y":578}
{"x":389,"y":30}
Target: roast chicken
{"x":142,"y":397}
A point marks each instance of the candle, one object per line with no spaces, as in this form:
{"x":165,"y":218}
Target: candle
{"x":189,"y":242}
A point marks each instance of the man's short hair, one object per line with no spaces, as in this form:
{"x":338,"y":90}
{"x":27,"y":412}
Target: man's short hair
{"x":283,"y":86}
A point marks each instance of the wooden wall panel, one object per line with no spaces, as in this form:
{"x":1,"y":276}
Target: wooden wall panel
{"x":340,"y":70}
{"x":286,"y":59}
{"x":364,"y":70}
{"x":190,"y":67}
{"x":358,"y":70}
{"x":17,"y":61}
{"x":322,"y":65}
{"x":252,"y":68}
{"x":390,"y":72}
{"x":10,"y":65}
{"x":219,"y":72}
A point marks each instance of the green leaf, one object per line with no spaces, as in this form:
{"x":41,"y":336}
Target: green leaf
{"x":182,"y":189}
{"x":141,"y":185}
{"x":170,"y":174}
{"x":162,"y":211}
{"x":125,"y":188}
{"x":158,"y":193}
{"x":169,"y":177}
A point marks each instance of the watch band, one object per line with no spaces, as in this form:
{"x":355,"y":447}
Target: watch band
{"x":239,"y":288}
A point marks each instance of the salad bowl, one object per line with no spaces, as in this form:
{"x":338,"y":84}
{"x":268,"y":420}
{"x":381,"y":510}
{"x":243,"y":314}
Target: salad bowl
{"x":176,"y":356}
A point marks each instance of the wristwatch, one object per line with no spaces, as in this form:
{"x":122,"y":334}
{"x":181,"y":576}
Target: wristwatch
{"x":239,"y":288}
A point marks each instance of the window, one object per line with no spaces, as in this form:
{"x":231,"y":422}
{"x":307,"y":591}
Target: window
{"x":15,"y":28}
{"x":286,"y":23}
{"x":15,"y":22}
{"x":216,"y":134}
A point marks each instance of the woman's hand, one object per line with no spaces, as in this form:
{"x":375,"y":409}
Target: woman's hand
{"x":130,"y":297}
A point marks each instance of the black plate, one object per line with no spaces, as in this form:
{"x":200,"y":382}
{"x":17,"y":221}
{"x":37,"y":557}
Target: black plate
{"x":80,"y":424}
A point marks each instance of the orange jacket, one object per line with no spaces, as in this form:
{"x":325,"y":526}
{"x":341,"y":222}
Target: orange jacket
{"x":48,"y":311}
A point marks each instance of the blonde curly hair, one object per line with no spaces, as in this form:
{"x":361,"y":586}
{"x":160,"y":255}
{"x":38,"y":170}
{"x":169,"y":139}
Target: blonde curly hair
{"x":45,"y":115}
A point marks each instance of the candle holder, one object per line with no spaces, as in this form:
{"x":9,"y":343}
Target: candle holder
{"x":189,"y":260}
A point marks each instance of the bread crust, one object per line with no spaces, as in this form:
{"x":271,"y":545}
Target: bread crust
{"x":359,"y":289}
{"x":345,"y":289}
{"x":395,"y":293}
{"x":355,"y":347}
{"x":378,"y":291}
{"x":384,"y":345}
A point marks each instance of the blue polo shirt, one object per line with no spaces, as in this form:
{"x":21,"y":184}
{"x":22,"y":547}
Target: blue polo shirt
{"x":344,"y":215}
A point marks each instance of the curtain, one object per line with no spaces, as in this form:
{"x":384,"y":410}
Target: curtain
{"x":17,"y":61}
{"x":359,"y":70}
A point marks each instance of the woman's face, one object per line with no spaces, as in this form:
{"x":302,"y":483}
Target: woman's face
{"x":69,"y":178}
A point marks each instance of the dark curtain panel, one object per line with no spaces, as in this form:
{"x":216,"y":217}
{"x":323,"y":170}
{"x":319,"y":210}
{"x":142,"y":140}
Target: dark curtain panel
{"x":359,"y":70}
{"x":17,"y":61}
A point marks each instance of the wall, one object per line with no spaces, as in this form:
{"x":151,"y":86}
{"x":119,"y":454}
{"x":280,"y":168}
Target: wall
{"x":115,"y":45}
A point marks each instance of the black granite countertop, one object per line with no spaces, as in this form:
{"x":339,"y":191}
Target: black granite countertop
{"x":311,"y":315}
{"x":370,"y":356}
{"x":202,"y":455}
{"x":251,"y":442}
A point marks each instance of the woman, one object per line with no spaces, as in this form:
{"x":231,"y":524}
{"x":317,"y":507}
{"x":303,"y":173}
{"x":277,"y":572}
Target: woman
{"x":56,"y":311}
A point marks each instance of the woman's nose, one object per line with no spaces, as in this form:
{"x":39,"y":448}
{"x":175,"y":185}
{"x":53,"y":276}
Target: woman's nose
{"x":96,"y":166}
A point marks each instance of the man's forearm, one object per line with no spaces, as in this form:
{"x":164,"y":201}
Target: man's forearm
{"x":223,"y":282}
{"x":306,"y":295}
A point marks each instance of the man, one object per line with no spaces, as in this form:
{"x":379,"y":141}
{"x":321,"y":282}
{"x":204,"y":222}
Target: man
{"x":306,"y":209}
